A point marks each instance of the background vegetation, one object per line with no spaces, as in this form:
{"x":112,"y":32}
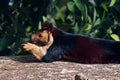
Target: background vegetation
{"x":20,"y":18}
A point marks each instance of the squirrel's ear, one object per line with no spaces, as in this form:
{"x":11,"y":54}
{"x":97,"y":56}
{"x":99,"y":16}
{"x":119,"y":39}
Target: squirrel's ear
{"x":47,"y":25}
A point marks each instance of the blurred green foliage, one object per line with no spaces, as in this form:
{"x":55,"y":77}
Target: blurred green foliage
{"x":20,"y":18}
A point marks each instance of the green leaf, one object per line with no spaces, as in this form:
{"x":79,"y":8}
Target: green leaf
{"x":94,"y":15}
{"x":28,"y":29}
{"x":109,"y":31}
{"x":97,"y":22}
{"x":76,"y":28}
{"x":79,"y":5}
{"x":70,"y":6}
{"x":103,"y":5}
{"x":44,"y":18}
{"x":92,"y":2}
{"x":39,"y":25}
{"x":85,"y":13}
{"x":87,"y":27}
{"x":115,"y":37}
{"x":60,"y":13}
{"x":83,"y":8}
{"x":112,"y":3}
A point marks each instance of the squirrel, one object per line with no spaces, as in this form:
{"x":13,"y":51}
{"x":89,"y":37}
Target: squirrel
{"x":52,"y":44}
{"x":39,"y":38}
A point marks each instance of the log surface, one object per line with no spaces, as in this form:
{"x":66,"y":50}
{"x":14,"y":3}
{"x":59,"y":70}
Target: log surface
{"x":27,"y":68}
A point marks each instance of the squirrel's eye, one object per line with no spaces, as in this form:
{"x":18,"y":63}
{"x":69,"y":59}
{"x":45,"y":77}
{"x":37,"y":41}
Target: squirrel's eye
{"x":40,"y":35}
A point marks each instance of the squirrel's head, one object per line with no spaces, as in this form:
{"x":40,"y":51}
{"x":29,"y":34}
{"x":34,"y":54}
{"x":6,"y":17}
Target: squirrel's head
{"x":42,"y":37}
{"x":45,"y":35}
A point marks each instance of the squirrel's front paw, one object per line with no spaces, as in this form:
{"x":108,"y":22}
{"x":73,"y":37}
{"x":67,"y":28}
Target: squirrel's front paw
{"x":27,"y":46}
